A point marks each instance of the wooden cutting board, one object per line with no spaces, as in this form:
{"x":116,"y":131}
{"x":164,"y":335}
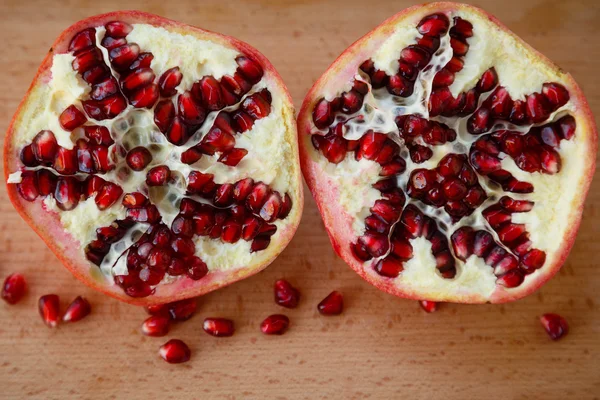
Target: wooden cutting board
{"x":382,"y":346}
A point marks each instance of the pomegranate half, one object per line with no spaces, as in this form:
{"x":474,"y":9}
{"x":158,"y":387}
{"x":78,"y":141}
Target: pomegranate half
{"x":449,"y":159}
{"x":157,"y":160}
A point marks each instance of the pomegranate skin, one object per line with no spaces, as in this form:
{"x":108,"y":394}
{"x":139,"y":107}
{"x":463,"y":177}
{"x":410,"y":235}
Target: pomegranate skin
{"x":67,"y":248}
{"x":338,"y":222}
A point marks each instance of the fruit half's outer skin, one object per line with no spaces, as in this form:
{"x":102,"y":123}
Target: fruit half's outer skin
{"x":338,"y":223}
{"x":47,"y":224}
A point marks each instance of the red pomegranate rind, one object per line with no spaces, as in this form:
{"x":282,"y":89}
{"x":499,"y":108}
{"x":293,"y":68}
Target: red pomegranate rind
{"x":130,"y":66}
{"x":471,"y":227}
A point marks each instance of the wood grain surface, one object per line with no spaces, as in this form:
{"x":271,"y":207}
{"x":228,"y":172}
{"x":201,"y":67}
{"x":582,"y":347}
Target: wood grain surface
{"x":382,"y":346}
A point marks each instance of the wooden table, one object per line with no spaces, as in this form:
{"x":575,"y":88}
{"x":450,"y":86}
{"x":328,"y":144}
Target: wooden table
{"x":382,"y":346}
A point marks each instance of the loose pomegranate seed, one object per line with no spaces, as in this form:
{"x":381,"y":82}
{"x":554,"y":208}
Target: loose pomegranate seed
{"x":48,"y":306}
{"x":219,"y":327}
{"x":156,"y":325}
{"x":428,"y":306}
{"x":275,"y":324}
{"x":285,"y":294}
{"x":182,"y":310}
{"x":555,"y":325}
{"x":333,"y":304}
{"x":77,"y":310}
{"x":14,"y":288}
{"x":158,"y":309}
{"x":175,"y":351}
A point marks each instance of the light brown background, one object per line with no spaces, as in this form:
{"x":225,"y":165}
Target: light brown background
{"x":382,"y":346}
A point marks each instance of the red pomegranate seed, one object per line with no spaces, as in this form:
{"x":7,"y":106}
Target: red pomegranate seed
{"x":182,"y":310}
{"x":219,"y":327}
{"x":257,"y":197}
{"x":217,"y":140}
{"x":87,"y":59}
{"x":333,"y":304}
{"x":110,"y":42}
{"x":190,"y":112}
{"x":169,"y":81}
{"x":322,"y":114}
{"x":98,"y":134}
{"x":389,"y":267}
{"x":250,"y":69}
{"x":434,"y":25}
{"x":275,"y":324}
{"x":462,"y":242}
{"x":555,"y":94}
{"x":555,"y":325}
{"x":158,"y":309}
{"x":66,"y":162}
{"x":104,"y":89}
{"x":134,"y":200}
{"x":260,"y":243}
{"x":428,"y":306}
{"x":77,"y":310}
{"x":145,"y":97}
{"x":83,"y":40}
{"x":285,"y":294}
{"x":118,"y":29}
{"x":158,"y":176}
{"x":14,"y":288}
{"x":232,"y":231}
{"x":208,"y":91}
{"x":376,"y":244}
{"x":164,"y":113}
{"x":197,"y":269}
{"x":488,"y":80}
{"x":175,"y":352}
{"x":200,"y":183}
{"x":71,"y":118}
{"x":28,"y":188}
{"x":511,"y":279}
{"x":138,"y":79}
{"x":271,"y":207}
{"x":67,"y":193}
{"x":138,"y":158}
{"x":48,"y":306}
{"x":183,"y":246}
{"x":44,"y":146}
{"x":534,"y":259}
{"x":156,"y":325}
{"x":122,"y":57}
{"x":232,"y":157}
{"x":108,"y":195}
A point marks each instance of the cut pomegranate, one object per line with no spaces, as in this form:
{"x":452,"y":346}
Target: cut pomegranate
{"x":77,"y":310}
{"x":450,"y":161}
{"x":138,"y":205}
{"x":175,"y":352}
{"x":275,"y":324}
{"x":14,"y":288}
{"x":220,"y":327}
{"x":555,"y":325}
{"x":156,"y":325}
{"x":333,"y":304}
{"x":285,"y":294}
{"x":48,"y":306}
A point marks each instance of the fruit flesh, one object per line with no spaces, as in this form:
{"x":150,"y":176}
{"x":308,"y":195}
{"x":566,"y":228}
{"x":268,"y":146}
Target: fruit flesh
{"x":347,"y":179}
{"x":271,"y":138}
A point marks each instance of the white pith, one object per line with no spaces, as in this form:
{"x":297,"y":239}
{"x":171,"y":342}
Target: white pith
{"x":520,"y":75}
{"x":270,"y":157}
